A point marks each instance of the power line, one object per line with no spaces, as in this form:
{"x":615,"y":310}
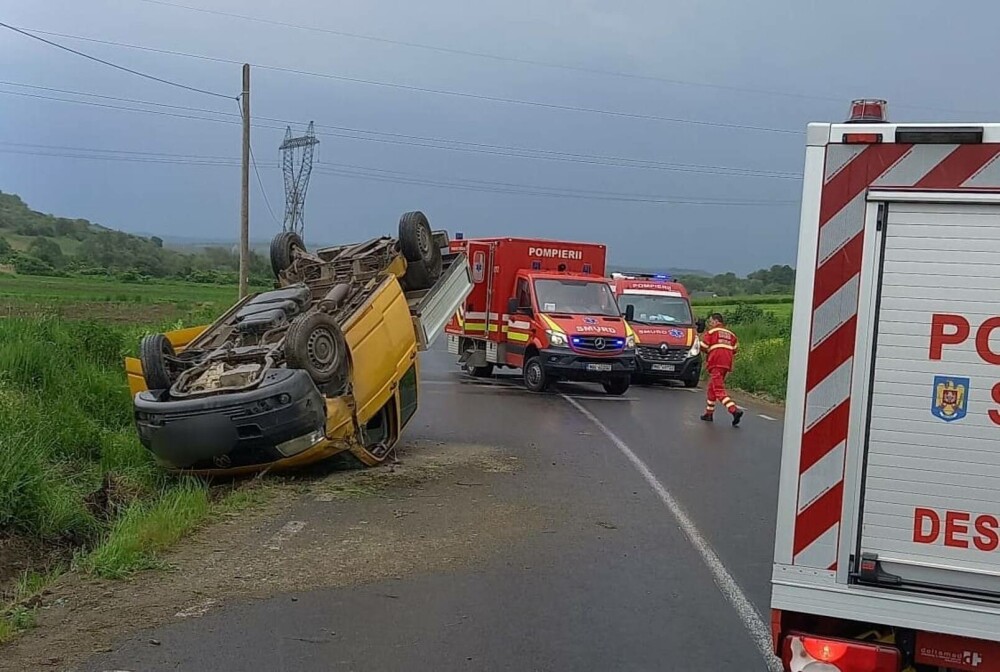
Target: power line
{"x":506,"y":151}
{"x":540,"y":63}
{"x":493,"y":57}
{"x":353,"y":171}
{"x":260,"y":182}
{"x":115,"y":98}
{"x":110,"y":64}
{"x":446,"y":92}
{"x":120,"y":107}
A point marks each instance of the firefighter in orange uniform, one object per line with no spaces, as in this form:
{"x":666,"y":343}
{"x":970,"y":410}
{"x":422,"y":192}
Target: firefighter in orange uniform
{"x":720,"y":346}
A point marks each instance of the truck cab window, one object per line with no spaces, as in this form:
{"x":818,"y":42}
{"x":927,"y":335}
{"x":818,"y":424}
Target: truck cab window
{"x":523,"y":294}
{"x":583,"y":297}
{"x":656,"y":309}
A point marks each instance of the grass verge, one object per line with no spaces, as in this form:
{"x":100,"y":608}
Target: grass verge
{"x":146,"y":528}
{"x":73,"y":476}
{"x":761,"y":366}
{"x":17,"y":609}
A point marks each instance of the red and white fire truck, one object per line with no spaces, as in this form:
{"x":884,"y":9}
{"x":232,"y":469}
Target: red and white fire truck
{"x":543,"y":306}
{"x":667,"y":347}
{"x":887,"y":554}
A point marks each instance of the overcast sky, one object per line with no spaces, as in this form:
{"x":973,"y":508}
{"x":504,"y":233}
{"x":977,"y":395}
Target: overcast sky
{"x":769,"y":64}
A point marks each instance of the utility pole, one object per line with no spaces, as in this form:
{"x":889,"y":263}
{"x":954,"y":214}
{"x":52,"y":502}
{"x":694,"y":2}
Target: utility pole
{"x":245,"y":197}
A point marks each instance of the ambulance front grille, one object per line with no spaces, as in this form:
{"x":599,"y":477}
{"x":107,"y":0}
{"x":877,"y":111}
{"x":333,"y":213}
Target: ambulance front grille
{"x":654,"y":354}
{"x":598,"y":343}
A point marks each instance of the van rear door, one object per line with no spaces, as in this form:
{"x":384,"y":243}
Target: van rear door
{"x":928,"y":516}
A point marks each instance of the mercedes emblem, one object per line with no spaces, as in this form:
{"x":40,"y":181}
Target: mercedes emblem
{"x":599,"y":343}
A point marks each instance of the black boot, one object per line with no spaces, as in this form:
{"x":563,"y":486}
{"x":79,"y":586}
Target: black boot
{"x":737,"y":416}
{"x":708,"y":417}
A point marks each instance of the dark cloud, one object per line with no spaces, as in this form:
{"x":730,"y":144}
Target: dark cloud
{"x":822,"y":54}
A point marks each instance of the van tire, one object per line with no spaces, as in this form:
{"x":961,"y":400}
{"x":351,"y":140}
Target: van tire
{"x":416,"y":241}
{"x":691,"y":382}
{"x":153,"y":351}
{"x":316,"y":344}
{"x":281,"y":250}
{"x":535,"y":377}
{"x":617,"y":386}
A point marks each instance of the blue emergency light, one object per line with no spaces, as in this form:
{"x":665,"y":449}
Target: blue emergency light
{"x":612,"y":343}
{"x":536,"y":265}
{"x":459,"y":235}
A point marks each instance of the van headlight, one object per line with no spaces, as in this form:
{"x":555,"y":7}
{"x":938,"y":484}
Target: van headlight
{"x":629,"y":342}
{"x":300,"y":443}
{"x":695,"y":349}
{"x":557,"y":339}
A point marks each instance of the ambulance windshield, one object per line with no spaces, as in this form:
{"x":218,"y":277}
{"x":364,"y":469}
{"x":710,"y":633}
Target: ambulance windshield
{"x":578,"y":297}
{"x":657,"y":308}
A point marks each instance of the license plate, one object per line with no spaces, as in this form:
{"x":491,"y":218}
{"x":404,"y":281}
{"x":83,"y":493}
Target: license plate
{"x":663,"y":367}
{"x":598,"y":367}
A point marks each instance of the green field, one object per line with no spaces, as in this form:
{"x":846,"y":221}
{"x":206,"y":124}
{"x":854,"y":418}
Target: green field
{"x":106,"y":299}
{"x":763,"y":325}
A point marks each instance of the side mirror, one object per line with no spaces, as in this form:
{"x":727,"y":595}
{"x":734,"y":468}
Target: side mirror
{"x":699,"y":325}
{"x":629,"y":312}
{"x":528,"y":310}
{"x":512,"y":306}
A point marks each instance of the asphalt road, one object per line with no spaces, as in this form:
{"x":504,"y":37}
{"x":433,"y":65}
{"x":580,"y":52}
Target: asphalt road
{"x":614,"y":582}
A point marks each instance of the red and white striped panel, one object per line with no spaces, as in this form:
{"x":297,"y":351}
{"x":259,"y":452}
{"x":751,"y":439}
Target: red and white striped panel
{"x":850,"y":171}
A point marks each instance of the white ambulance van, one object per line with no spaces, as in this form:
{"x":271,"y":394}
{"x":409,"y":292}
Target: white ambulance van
{"x":887,"y":556}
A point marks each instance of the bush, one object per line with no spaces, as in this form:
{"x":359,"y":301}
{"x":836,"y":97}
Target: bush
{"x":762,"y":363}
{"x":29,"y":265}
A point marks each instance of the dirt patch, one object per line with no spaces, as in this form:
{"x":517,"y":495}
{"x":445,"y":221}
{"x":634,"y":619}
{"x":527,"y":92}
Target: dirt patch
{"x":439,"y":507}
{"x":19,"y":555}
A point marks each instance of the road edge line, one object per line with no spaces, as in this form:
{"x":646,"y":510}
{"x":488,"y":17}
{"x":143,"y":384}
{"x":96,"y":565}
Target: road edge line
{"x":759,"y":631}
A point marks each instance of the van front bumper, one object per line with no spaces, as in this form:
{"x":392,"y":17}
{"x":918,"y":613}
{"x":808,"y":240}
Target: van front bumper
{"x":569,"y":365}
{"x":283,"y":416}
{"x":658,"y":368}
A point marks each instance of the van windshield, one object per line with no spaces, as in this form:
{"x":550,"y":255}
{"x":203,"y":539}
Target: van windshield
{"x":657,"y":309}
{"x":579,"y":297}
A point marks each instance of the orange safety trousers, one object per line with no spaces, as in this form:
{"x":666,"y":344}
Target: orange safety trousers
{"x":717,"y":391}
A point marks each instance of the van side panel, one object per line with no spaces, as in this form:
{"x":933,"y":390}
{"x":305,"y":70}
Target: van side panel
{"x":383,"y":346}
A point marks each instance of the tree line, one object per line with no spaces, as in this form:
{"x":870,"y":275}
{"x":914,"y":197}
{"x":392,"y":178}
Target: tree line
{"x":49,"y":245}
{"x":35,"y":243}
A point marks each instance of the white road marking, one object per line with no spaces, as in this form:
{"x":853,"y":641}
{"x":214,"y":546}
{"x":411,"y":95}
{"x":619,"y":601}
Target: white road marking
{"x":197,"y":610}
{"x":767,"y":417}
{"x":287,"y":531}
{"x":759,"y":631}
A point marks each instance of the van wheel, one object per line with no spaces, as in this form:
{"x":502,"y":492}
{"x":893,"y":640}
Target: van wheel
{"x":417,"y":244}
{"x":281,"y":250}
{"x":153,"y":351}
{"x":315,"y":343}
{"x":617,"y":386}
{"x":535,"y":377}
{"x":691,"y":382}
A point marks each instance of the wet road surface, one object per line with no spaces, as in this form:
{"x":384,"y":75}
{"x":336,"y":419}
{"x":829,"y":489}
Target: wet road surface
{"x":610,"y":581}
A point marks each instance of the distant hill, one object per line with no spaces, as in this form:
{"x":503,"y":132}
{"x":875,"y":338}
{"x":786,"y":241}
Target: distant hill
{"x":42,"y":244}
{"x":676,"y":272}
